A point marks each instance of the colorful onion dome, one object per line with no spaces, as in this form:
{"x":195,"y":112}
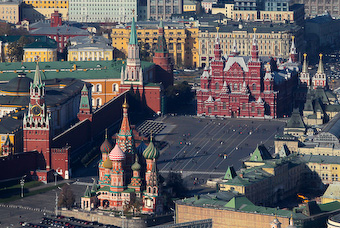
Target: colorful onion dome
{"x":107,"y":164}
{"x":116,"y":154}
{"x":106,"y":147}
{"x":140,"y":149}
{"x":151,"y":151}
{"x":136,"y":166}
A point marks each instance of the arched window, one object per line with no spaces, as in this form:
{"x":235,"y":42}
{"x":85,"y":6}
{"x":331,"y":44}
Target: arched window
{"x":217,"y":85}
{"x":254,"y":87}
{"x":115,"y":87}
{"x":98,"y":102}
{"x":154,"y":190}
{"x":98,"y":88}
{"x":235,"y":86}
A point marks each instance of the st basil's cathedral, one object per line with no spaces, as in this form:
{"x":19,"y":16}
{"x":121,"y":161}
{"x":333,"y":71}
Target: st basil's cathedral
{"x":126,"y":174}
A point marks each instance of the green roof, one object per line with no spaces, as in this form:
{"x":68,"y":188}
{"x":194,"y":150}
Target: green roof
{"x":260,"y":154}
{"x":238,"y":201}
{"x":230,"y":174}
{"x":105,"y":189}
{"x":129,"y":190}
{"x":85,"y":70}
{"x":133,"y":33}
{"x":330,"y":206}
{"x":295,"y":120}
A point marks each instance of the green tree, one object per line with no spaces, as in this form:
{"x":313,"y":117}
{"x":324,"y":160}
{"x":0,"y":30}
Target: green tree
{"x":178,"y":96}
{"x":16,"y":48}
{"x":145,"y":52}
{"x":174,"y":183}
{"x":66,"y":197}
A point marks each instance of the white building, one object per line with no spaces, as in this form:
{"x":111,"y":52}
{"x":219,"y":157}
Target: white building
{"x":102,"y":10}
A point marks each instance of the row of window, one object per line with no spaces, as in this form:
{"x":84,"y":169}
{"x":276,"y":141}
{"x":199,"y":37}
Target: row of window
{"x":224,"y":107}
{"x":98,"y":88}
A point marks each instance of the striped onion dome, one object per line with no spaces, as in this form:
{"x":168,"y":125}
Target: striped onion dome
{"x":140,"y":149}
{"x":136,"y":166}
{"x":106,"y":147}
{"x":116,"y":154}
{"x":107,"y":164}
{"x":151,"y":152}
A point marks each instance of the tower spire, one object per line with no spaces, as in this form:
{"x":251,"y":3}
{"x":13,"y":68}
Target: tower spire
{"x":255,"y":49}
{"x":320,"y":68}
{"x":37,"y":77}
{"x":304,"y":66}
{"x":293,"y":54}
{"x":217,"y":50}
{"x":133,"y":34}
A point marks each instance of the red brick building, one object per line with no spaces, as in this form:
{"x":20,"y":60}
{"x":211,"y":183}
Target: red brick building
{"x":245,"y":87}
{"x":150,"y":87}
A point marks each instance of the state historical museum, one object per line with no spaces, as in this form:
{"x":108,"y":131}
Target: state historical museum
{"x":247,"y":86}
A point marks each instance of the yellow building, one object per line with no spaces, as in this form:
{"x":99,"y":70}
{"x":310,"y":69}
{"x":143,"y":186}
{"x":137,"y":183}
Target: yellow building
{"x":189,"y":6}
{"x":42,"y":51}
{"x":42,"y":9}
{"x":89,"y":49}
{"x":10,"y":12}
{"x":273,"y":39}
{"x":332,"y":193}
{"x":182,"y":42}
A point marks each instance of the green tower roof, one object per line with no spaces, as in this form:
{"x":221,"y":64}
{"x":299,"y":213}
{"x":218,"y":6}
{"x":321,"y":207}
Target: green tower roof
{"x":230,"y":174}
{"x":133,"y":34}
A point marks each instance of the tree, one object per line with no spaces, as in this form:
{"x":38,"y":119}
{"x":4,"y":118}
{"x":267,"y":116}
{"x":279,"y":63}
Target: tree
{"x":135,"y":205}
{"x":174,"y":183}
{"x":145,"y":52}
{"x":66,"y":197}
{"x":178,"y":96}
{"x":16,"y":48}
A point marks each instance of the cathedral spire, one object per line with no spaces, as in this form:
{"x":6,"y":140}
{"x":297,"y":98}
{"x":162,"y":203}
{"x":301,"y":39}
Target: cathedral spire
{"x":304,"y":66}
{"x":320,"y":68}
{"x":125,"y":127}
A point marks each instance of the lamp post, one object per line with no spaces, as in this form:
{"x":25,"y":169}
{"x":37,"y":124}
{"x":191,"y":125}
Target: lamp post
{"x":56,"y":203}
{"x":55,"y":178}
{"x":22,"y":183}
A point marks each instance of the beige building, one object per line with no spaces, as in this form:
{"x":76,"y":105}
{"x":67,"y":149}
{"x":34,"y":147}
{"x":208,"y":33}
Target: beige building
{"x":42,"y":9}
{"x":10,"y":12}
{"x":273,"y":39}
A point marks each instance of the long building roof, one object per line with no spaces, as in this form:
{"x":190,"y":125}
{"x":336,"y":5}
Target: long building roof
{"x":85,"y":70}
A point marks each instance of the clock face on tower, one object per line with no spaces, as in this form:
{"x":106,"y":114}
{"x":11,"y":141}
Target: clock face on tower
{"x":36,"y":110}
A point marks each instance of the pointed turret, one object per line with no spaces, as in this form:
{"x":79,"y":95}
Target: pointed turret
{"x":94,"y":187}
{"x":37,"y":76}
{"x":305,"y":65}
{"x":235,"y":52}
{"x":217,"y":49}
{"x":320,"y":68}
{"x":87,"y":192}
{"x":136,"y":180}
{"x":133,"y":33}
{"x":293,"y":56}
{"x":230,"y":174}
{"x":320,"y":79}
{"x":84,"y":106}
{"x":254,"y":49}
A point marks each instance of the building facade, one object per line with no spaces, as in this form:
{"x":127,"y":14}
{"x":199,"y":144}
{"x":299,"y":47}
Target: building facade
{"x":121,"y":181}
{"x":43,"y":51}
{"x":10,"y":11}
{"x":319,"y":7}
{"x":158,"y":10}
{"x":237,"y":86}
{"x":33,"y":10}
{"x":181,"y":41}
{"x":57,"y":31}
{"x":273,"y":40}
{"x":89,"y":49}
{"x":102,"y":11}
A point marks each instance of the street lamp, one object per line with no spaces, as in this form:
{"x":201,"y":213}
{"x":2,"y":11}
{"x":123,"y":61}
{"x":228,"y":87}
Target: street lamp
{"x":22,"y":183}
{"x":56,"y":176}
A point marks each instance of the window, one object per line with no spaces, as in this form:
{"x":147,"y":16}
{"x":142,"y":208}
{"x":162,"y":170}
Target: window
{"x":115,"y":87}
{"x":209,"y":110}
{"x":254,"y":87}
{"x":224,"y":105}
{"x":98,"y":88}
{"x":215,"y":108}
{"x":217,"y":86}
